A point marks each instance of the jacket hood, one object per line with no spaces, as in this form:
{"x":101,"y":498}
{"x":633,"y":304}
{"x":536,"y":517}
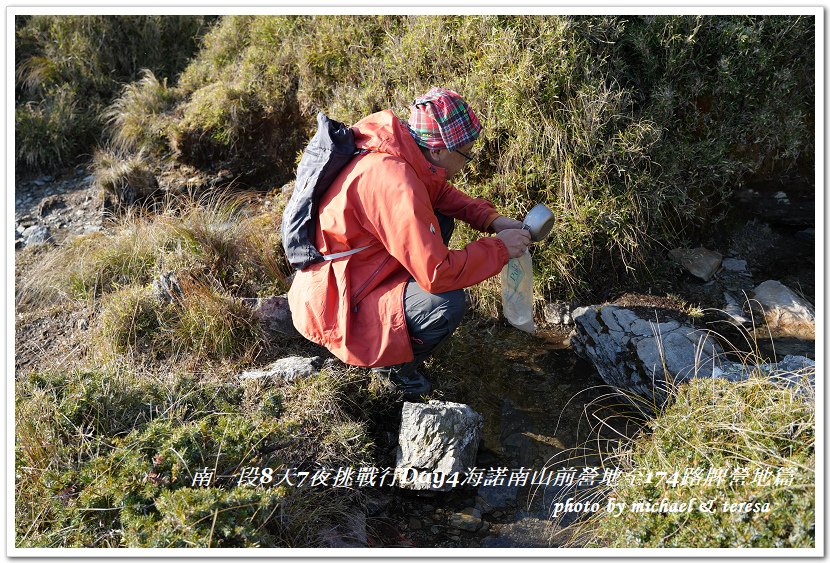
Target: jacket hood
{"x":384,"y":132}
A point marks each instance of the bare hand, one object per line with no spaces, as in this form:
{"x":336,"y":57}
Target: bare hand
{"x":502,"y":223}
{"x":517,"y":241}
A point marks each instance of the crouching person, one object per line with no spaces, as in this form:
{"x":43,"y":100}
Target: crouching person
{"x":389,"y":290}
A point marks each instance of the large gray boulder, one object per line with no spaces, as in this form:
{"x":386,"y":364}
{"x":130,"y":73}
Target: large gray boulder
{"x":640,"y":354}
{"x":786,"y":313}
{"x":436,"y":438}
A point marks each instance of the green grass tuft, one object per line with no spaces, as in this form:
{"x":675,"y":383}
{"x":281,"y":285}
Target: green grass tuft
{"x":756,"y":425}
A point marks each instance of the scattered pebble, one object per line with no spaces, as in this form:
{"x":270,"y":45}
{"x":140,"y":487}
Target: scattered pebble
{"x":781,"y":197}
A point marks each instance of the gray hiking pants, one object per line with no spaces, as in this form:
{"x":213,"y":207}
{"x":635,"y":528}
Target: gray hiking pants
{"x":430,"y":317}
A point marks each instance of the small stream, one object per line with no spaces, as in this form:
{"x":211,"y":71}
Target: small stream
{"x":539,"y":401}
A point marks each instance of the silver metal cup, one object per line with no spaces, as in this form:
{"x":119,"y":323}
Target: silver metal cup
{"x":539,"y":222}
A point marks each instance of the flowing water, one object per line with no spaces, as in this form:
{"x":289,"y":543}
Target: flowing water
{"x":541,"y":405}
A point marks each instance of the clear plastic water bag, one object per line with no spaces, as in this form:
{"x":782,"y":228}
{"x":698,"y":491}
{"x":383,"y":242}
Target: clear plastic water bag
{"x":517,"y":292}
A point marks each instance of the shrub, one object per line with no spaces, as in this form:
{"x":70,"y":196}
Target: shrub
{"x":209,"y":323}
{"x":214,"y":241}
{"x":49,"y":132}
{"x":213,"y":251}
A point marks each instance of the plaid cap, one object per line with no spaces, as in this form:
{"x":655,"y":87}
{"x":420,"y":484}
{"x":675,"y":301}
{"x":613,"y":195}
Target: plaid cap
{"x":441,"y":119}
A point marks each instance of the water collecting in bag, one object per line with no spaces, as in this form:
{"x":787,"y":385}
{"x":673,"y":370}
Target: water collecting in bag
{"x":517,"y":292}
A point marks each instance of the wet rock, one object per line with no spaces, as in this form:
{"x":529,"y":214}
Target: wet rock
{"x":781,"y":198}
{"x":790,"y":371}
{"x":436,"y":437}
{"x":639,"y":354}
{"x":806,"y":235}
{"x":376,"y":503}
{"x":36,"y":234}
{"x":786,"y":313}
{"x":734,"y":310}
{"x":520,"y":448}
{"x":468,"y":520}
{"x":558,"y":313}
{"x":496,"y":496}
{"x":287,"y":369}
{"x":527,"y":531}
{"x":734,"y":265}
{"x":273,"y":313}
{"x":700,"y":262}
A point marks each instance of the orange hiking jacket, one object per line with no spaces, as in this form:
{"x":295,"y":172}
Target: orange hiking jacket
{"x":384,"y":200}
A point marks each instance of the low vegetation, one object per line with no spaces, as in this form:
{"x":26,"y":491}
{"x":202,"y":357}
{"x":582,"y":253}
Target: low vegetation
{"x":211,"y":253}
{"x":636,"y":130}
{"x":744,"y":450}
{"x":108,"y":459}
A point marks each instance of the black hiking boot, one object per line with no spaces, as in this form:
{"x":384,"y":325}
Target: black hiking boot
{"x":411,"y":385}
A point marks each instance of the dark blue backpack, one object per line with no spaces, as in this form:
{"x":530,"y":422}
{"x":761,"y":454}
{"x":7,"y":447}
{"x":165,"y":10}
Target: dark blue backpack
{"x":331,"y":148}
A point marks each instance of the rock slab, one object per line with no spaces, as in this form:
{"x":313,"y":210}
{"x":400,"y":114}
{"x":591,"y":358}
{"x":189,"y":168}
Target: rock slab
{"x":287,"y":369}
{"x":700,"y":262}
{"x":558,"y":313}
{"x":638,"y":354}
{"x":436,"y":437}
{"x":786,"y":313}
